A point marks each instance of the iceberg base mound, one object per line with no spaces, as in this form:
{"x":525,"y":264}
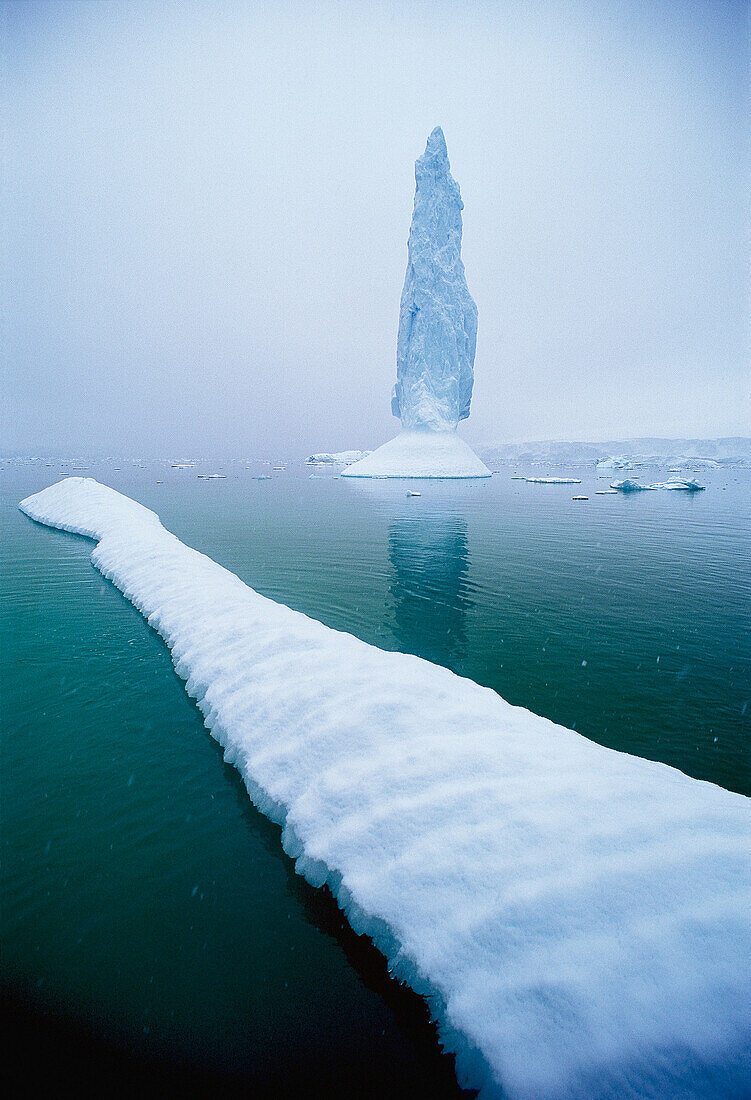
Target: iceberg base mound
{"x":421,"y":454}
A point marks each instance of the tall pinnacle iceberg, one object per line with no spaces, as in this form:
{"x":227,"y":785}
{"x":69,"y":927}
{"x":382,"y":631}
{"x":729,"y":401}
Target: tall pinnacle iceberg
{"x":435,"y":350}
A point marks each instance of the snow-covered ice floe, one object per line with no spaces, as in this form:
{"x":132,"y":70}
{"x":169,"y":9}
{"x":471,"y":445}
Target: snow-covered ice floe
{"x":554,"y":480}
{"x":688,"y":485}
{"x":578,"y":919}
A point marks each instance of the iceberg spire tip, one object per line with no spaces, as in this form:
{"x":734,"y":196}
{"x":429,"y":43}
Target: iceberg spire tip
{"x":436,"y":143}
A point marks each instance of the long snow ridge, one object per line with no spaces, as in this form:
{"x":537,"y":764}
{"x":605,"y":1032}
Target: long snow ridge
{"x":578,"y":919}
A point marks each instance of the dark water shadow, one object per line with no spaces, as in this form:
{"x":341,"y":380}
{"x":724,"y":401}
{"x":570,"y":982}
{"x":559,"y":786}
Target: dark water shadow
{"x":45,"y":1042}
{"x":410,"y":1011}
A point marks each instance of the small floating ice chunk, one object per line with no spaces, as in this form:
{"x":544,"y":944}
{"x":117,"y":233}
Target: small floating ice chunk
{"x":413,"y":493}
{"x":554,"y":480}
{"x":210,"y":477}
{"x":580,"y":498}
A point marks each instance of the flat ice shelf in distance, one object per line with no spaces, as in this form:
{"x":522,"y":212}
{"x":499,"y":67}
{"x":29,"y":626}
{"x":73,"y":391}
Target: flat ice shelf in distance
{"x":579,"y":919}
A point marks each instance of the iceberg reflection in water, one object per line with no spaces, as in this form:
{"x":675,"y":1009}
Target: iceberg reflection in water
{"x":429,"y":559}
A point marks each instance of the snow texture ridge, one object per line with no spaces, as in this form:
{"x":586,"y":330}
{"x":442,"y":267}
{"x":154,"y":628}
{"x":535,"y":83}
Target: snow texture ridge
{"x":579,"y":919}
{"x":435,"y":350}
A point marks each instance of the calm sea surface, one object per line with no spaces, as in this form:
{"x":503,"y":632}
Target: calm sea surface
{"x":142,"y":894}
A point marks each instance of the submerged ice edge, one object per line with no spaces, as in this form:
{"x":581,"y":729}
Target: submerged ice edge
{"x":574,"y":916}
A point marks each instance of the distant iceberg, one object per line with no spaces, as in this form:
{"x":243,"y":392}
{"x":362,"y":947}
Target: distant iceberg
{"x":614,"y":462}
{"x":343,"y":458}
{"x":578,"y":919}
{"x":699,"y":453}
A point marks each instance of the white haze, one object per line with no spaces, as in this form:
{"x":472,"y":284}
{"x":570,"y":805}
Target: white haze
{"x":206,"y":209}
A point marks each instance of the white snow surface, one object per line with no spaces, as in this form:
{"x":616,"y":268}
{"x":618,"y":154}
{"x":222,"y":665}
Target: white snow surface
{"x":421,"y":454}
{"x":579,"y":919}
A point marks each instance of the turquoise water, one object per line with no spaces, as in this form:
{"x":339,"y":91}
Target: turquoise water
{"x":144,"y":897}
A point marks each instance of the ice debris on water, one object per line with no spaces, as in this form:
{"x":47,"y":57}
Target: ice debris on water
{"x":554,"y":480}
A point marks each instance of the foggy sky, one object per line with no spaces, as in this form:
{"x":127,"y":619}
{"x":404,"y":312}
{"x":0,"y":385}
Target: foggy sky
{"x":206,"y":209}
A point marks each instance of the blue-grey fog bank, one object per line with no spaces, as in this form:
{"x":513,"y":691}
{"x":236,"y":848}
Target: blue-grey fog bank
{"x":206,"y":211}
